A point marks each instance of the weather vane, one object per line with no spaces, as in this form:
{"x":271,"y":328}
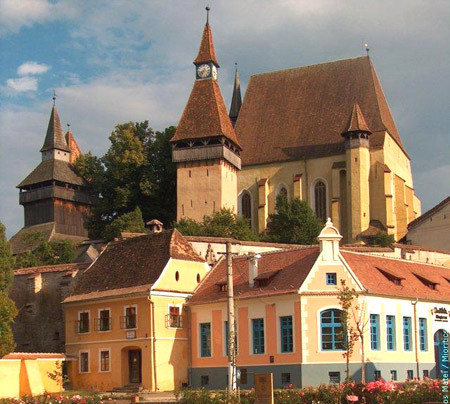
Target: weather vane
{"x":68,"y":126}
{"x":366,"y":46}
{"x":207,"y":8}
{"x":54,"y":97}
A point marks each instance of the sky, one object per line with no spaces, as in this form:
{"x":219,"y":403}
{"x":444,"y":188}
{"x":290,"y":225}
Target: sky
{"x":113,"y":61}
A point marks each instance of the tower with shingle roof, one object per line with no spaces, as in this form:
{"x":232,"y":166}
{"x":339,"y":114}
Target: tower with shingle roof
{"x":53,"y":195}
{"x":205,"y":147}
{"x":236,"y":100}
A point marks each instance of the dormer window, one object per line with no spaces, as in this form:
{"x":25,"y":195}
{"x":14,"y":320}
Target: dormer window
{"x":432,"y":284}
{"x":395,"y":279}
{"x":222,"y":286}
{"x":265,"y":278}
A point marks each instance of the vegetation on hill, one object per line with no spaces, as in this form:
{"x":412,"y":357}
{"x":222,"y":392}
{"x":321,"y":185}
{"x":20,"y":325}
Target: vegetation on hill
{"x":8,"y":311}
{"x":293,"y":222}
{"x":131,"y":222}
{"x":136,"y":171}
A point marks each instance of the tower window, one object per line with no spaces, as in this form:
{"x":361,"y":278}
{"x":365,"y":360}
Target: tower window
{"x":320,"y":201}
{"x":207,"y":172}
{"x":247,"y":207}
{"x":190,"y":174}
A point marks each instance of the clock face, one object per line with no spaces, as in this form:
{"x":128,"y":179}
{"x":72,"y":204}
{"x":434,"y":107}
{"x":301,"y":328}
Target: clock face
{"x":214,"y":72}
{"x":203,"y":71}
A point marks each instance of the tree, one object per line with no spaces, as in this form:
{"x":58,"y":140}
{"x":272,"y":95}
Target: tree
{"x":137,"y":170}
{"x":8,"y":311}
{"x":131,"y":222}
{"x":293,"y":222}
{"x":381,"y":239}
{"x":361,"y":322}
{"x":224,"y":223}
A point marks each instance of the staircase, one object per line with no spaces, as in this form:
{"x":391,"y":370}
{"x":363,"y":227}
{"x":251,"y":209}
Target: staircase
{"x":128,"y":389}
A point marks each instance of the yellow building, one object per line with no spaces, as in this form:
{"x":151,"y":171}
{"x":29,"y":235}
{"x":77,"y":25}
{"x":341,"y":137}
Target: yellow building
{"x":125,"y":321}
{"x":288,"y":317}
{"x":321,"y":133}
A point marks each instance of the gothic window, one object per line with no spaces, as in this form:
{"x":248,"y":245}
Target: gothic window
{"x":320,"y":200}
{"x":283,"y":191}
{"x":247,"y":207}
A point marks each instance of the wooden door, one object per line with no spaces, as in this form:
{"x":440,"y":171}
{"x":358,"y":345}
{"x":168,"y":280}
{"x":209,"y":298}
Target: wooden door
{"x":134,"y":362}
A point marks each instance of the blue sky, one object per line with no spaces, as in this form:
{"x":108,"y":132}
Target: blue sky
{"x":117,"y":60}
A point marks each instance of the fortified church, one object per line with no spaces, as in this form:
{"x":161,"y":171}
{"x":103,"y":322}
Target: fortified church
{"x":322,"y":133}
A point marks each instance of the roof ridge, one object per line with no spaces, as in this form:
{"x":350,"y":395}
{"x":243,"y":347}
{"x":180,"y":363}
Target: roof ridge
{"x":265,"y":253}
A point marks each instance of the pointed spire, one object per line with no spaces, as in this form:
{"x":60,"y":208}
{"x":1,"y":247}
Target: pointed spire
{"x":236,"y":101}
{"x":206,"y":53}
{"x":54,"y":138}
{"x":356,"y":122}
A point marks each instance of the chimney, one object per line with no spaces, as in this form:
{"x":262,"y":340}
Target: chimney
{"x":155,"y":226}
{"x":252,"y":268}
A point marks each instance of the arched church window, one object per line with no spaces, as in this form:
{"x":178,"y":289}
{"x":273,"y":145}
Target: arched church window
{"x":282,"y":191}
{"x":320,"y":200}
{"x":247,"y":207}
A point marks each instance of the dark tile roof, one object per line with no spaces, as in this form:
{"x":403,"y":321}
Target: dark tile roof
{"x":205,"y":114}
{"x":134,"y":262}
{"x":367,"y":269}
{"x":301,"y":112}
{"x":236,"y":100}
{"x":287,"y":270}
{"x":54,"y":138}
{"x":50,"y":268}
{"x":206,"y":53}
{"x":429,"y":213}
{"x":49,"y":170}
{"x":356,"y":121}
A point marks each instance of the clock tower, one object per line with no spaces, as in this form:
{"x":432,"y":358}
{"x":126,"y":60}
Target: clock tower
{"x":205,"y":147}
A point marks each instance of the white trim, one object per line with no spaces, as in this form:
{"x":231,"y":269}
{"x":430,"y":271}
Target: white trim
{"x":127,"y":340}
{"x":312,"y":195}
{"x":100,"y":350}
{"x":88,"y":361}
{"x":252,"y":210}
{"x":125,"y":315}
{"x":110,"y":319}
{"x":170,"y":294}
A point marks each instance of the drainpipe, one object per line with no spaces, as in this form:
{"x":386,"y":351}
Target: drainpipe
{"x":155,"y":380}
{"x":415,"y":337}
{"x":189,"y":330}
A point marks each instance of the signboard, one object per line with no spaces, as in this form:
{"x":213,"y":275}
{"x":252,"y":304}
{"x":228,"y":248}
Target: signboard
{"x":131,"y":334}
{"x":264,"y":388}
{"x":440,"y":314}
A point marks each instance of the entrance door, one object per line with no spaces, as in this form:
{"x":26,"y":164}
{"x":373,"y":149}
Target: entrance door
{"x":440,"y":348}
{"x":134,"y":363}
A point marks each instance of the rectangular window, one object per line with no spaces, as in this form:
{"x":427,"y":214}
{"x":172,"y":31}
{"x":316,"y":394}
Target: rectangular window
{"x":205,"y":340}
{"x":226,"y":338}
{"x":129,"y":321}
{"x":258,"y":335}
{"x":174,"y":319}
{"x":84,"y":362}
{"x":407,"y":333}
{"x":390,"y":333}
{"x":335,"y":377}
{"x":286,"y":334}
{"x":285,"y":378}
{"x":410,"y":374}
{"x":393,"y":375}
{"x":204,"y":381}
{"x":426,"y":373}
{"x":331,"y":278}
{"x":83,"y":323}
{"x":243,"y":378}
{"x":377,"y":374}
{"x":104,"y":361}
{"x":423,"y":334}
{"x":375,"y":332}
{"x":104,"y":320}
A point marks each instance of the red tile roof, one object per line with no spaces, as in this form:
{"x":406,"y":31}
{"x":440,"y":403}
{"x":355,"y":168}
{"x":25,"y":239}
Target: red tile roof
{"x":206,"y":53}
{"x":293,"y":266}
{"x":132,"y":291}
{"x":34,"y":355}
{"x":367,"y":270}
{"x":50,"y":268}
{"x":205,"y":114}
{"x":301,"y":112}
{"x":356,"y":122}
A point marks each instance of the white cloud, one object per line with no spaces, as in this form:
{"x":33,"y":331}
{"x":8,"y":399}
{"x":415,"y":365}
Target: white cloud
{"x":30,"y":68}
{"x":23,"y":84}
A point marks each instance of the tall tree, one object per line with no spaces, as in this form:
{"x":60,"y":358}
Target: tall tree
{"x":293,"y":223}
{"x":137,"y":170}
{"x":8,"y":311}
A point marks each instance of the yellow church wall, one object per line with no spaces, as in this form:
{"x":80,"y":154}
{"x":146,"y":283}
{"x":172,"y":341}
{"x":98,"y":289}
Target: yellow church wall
{"x":378,"y":209}
{"x":400,"y":207}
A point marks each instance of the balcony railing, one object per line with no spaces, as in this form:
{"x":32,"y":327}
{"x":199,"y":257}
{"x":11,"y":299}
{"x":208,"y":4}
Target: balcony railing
{"x":128,"y":322}
{"x":81,"y":326}
{"x":103,"y":324}
{"x":174,"y":321}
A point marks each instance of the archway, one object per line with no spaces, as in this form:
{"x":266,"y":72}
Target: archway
{"x":441,"y":352}
{"x":131,"y":365}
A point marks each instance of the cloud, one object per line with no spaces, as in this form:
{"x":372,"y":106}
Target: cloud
{"x":31,"y":68}
{"x":23,"y":84}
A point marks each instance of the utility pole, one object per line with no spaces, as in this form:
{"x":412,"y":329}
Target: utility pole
{"x":232,"y":375}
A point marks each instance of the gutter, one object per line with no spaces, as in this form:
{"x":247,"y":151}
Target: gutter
{"x":414,"y":303}
{"x":155,"y":380}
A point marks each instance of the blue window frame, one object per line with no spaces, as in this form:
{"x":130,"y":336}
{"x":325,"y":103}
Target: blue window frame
{"x":375,"y":332}
{"x":226,"y":338}
{"x":286,"y":334}
{"x":407,"y":333}
{"x":331,"y":278}
{"x":258,"y":335}
{"x":205,"y":339}
{"x":423,"y":334}
{"x":332,"y":333}
{"x":390,"y":333}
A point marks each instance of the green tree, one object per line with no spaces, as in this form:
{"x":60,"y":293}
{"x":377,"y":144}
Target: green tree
{"x":293,"y":223}
{"x":137,"y":170}
{"x":131,"y":222}
{"x":8,"y":311}
{"x":381,"y":239}
{"x":224,"y":223}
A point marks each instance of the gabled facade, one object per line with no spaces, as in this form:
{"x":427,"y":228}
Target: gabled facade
{"x":126,"y":323}
{"x":289,"y":321}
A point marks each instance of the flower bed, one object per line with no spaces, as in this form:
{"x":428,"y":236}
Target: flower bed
{"x":64,"y":398}
{"x":379,"y":392}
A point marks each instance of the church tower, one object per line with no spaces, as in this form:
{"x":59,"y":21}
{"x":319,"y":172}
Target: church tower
{"x":53,"y":194}
{"x":236,"y":100}
{"x":357,"y":155}
{"x":205,"y":147}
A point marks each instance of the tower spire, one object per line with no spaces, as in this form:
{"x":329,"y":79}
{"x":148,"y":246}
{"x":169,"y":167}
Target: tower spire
{"x":236,"y":100}
{"x":207,"y":53}
{"x":54,"y":139}
{"x":207,"y":14}
{"x":356,"y":122}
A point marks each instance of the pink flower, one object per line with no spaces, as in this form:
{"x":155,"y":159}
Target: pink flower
{"x":352,"y":398}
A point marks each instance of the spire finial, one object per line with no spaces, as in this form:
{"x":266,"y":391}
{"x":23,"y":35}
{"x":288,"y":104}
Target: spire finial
{"x":54,"y":97}
{"x":235,"y":63}
{"x":68,"y":126}
{"x":207,"y":8}
{"x":366,"y":46}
